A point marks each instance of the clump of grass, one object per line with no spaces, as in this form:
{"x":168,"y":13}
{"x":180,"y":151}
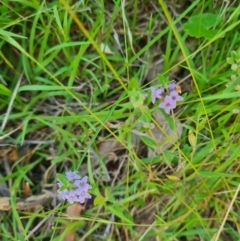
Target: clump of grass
{"x":75,"y":80}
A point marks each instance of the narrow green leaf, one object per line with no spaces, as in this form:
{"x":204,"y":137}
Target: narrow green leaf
{"x":62,"y":178}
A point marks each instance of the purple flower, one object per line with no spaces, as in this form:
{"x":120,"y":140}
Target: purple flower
{"x":172,"y":86}
{"x":168,"y":104}
{"x":156,"y":93}
{"x":82,"y":184}
{"x":82,"y":195}
{"x":72,"y":196}
{"x":175,"y":96}
{"x":80,"y":199}
{"x":77,"y":190}
{"x":71,"y":175}
{"x":64,"y":194}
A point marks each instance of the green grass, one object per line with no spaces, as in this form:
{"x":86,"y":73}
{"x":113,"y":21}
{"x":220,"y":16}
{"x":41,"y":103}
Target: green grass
{"x":68,"y":105}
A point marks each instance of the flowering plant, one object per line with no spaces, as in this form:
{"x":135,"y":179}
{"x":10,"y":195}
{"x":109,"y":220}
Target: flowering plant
{"x":72,"y":188}
{"x":168,"y":101}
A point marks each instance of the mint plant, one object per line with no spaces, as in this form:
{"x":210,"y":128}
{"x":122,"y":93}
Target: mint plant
{"x":76,"y":190}
{"x":168,"y":97}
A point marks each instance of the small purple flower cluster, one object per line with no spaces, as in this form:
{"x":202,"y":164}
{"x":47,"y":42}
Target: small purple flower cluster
{"x":79,"y":192}
{"x":169,"y":101}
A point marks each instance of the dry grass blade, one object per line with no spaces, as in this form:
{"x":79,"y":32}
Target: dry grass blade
{"x":31,"y":203}
{"x":216,"y":238}
{"x":11,"y":102}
